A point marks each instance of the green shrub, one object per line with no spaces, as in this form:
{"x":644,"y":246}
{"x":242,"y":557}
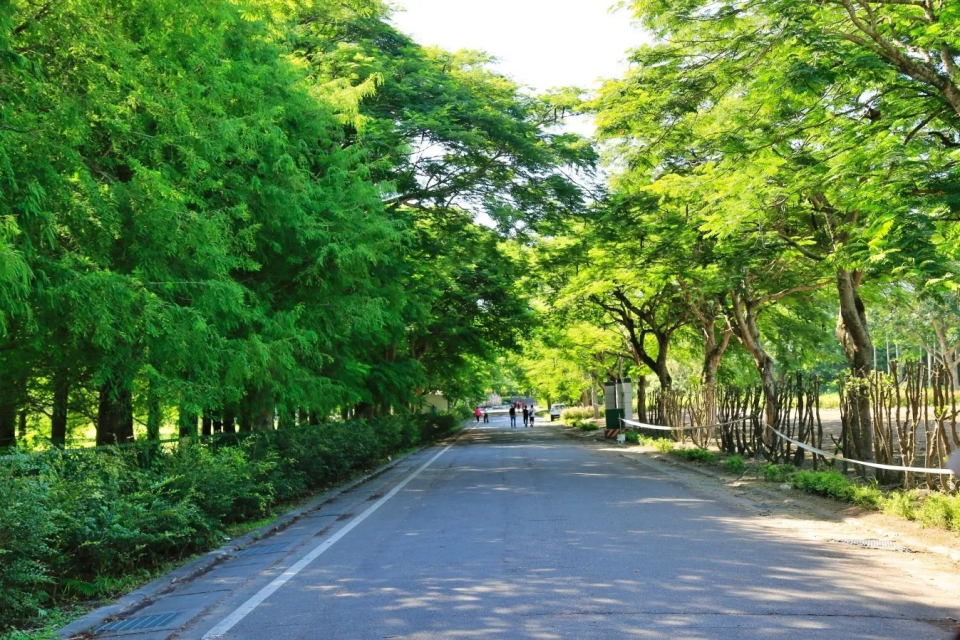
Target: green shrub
{"x":27,"y":528}
{"x":94,"y":523}
{"x":835,"y":485}
{"x":462,"y":413}
{"x":433,"y":426}
{"x":935,"y":510}
{"x":587,"y":426}
{"x":663,"y":444}
{"x":696,"y":455}
{"x":576,"y":413}
{"x":939,"y":510}
{"x":632,"y":437}
{"x":902,"y":503}
{"x":778,"y":472}
{"x":735,"y":464}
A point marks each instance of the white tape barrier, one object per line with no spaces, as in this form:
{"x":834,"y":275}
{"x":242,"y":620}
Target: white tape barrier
{"x":874,"y":465}
{"x":656,"y":427}
{"x":954,"y":463}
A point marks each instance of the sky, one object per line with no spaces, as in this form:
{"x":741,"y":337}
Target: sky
{"x":539,"y":43}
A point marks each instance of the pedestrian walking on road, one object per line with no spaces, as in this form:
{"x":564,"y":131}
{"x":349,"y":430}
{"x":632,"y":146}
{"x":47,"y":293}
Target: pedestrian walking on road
{"x":513,"y":417}
{"x":532,"y":416}
{"x":526,"y":417}
{"x":486,"y":417}
{"x":477,"y":413}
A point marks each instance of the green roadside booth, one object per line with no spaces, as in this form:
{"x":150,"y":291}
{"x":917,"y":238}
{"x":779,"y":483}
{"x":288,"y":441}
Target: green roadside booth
{"x":618,"y":405}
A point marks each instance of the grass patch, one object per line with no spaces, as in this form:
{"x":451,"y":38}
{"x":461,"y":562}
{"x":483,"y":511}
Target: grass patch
{"x":830,"y":400}
{"x":587,"y":426}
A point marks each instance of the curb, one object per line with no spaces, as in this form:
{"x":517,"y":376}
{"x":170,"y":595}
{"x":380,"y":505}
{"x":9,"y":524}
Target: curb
{"x":135,"y":600}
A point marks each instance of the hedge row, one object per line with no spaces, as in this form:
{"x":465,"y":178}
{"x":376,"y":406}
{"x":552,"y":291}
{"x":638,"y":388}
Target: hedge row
{"x":90,"y":524}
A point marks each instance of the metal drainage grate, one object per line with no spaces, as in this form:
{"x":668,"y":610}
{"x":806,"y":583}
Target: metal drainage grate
{"x":874,"y":543}
{"x":262,"y":550}
{"x":138,"y":622}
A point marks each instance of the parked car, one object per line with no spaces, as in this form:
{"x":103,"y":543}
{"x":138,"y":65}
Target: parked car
{"x":556,"y":410}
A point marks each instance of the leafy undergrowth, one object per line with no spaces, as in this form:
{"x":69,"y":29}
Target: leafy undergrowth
{"x":82,"y":527}
{"x":696,"y":455}
{"x":938,"y":510}
{"x":735,"y":464}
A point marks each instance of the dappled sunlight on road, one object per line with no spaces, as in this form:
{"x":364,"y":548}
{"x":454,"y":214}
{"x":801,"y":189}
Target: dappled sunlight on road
{"x":562,"y":543}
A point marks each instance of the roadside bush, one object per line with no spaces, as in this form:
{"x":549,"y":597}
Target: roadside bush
{"x":27,"y":525}
{"x":460,"y":413}
{"x":89,"y":524}
{"x":939,"y":510}
{"x":903,"y":504}
{"x":576,"y":413}
{"x":433,"y":426}
{"x":664,"y":445}
{"x":735,"y":464}
{"x":587,"y":426}
{"x":934,"y":510}
{"x":835,"y":485}
{"x":696,"y":455}
{"x":632,"y":437}
{"x":778,"y":472}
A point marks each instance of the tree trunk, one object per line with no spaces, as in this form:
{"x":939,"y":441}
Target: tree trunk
{"x":61,"y":399}
{"x":229,"y":420}
{"x":593,"y":398}
{"x":708,"y":380}
{"x":747,"y":330}
{"x":188,"y":423}
{"x":713,"y":351}
{"x":642,"y":399}
{"x":154,"y":416}
{"x":22,"y":425}
{"x":663,"y":373}
{"x":288,"y":419}
{"x":115,"y":412}
{"x":264,"y":419}
{"x":257,"y":410}
{"x":206,"y":425}
{"x":857,"y":346}
{"x":8,"y":422}
{"x":10,"y":399}
{"x":363,"y":411}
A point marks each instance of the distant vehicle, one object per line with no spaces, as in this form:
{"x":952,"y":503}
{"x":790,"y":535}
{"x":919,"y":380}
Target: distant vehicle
{"x":556,"y":410}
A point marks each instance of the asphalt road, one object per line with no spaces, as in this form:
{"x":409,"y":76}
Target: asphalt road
{"x":524,"y":533}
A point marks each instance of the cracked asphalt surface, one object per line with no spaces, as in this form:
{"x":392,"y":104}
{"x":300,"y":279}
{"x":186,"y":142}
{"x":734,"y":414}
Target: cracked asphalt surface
{"x":524,"y":533}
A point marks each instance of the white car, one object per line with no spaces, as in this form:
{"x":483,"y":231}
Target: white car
{"x":556,"y":410}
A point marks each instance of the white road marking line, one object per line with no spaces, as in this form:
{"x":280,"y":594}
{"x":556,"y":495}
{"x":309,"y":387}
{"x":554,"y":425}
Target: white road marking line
{"x":247,"y":607}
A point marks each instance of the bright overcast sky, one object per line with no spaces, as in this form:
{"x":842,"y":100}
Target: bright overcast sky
{"x":539,"y":43}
